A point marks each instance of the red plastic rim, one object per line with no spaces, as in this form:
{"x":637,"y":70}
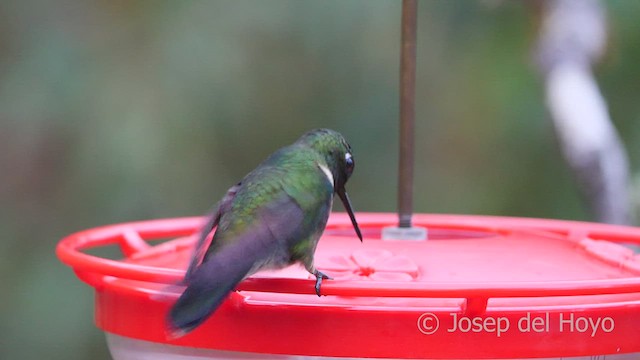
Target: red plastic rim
{"x":132,"y":293}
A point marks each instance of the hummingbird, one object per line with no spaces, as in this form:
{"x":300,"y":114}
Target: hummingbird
{"x":271,"y":219}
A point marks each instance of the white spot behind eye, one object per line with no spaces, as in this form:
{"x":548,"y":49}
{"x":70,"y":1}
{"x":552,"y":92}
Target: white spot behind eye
{"x":347,"y":156}
{"x":327,"y":172}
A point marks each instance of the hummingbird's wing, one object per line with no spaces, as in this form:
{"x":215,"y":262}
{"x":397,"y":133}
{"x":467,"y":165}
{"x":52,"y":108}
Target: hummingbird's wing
{"x":263,"y":242}
{"x":213,"y":218}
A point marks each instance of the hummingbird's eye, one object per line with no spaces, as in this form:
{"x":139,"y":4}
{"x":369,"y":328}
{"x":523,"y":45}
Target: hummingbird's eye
{"x":348,"y":161}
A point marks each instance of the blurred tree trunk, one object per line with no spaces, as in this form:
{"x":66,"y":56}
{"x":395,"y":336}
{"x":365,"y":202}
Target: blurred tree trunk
{"x":572,"y":38}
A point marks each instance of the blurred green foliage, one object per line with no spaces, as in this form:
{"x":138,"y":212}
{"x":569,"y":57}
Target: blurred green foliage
{"x":114,"y":111}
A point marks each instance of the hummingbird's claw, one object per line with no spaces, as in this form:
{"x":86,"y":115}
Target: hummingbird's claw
{"x":319,"y":276}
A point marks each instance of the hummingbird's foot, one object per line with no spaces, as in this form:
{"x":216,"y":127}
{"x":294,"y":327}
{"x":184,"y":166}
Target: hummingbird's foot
{"x":319,"y":276}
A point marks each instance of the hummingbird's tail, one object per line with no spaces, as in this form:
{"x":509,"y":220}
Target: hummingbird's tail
{"x":263,"y":243}
{"x":207,"y":288}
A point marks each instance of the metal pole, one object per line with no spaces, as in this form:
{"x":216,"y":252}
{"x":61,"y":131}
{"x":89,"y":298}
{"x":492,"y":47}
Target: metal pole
{"x":407,"y":112}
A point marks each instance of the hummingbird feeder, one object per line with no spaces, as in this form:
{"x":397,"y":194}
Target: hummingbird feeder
{"x":479,"y":288}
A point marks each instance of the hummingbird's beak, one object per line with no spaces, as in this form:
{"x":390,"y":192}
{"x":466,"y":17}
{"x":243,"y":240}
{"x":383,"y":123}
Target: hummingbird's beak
{"x":347,"y":205}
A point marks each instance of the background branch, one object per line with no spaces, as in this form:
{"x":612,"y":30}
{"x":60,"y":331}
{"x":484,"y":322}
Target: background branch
{"x":572,"y":37}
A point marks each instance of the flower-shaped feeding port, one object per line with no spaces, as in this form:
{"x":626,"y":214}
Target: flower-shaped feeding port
{"x":369,"y":264}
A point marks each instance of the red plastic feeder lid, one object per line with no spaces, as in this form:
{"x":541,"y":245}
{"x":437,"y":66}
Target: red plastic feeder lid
{"x":480,"y":287}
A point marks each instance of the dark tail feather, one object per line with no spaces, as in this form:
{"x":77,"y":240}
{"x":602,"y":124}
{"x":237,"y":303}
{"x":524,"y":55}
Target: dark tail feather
{"x":220,"y":272}
{"x":208,"y":287}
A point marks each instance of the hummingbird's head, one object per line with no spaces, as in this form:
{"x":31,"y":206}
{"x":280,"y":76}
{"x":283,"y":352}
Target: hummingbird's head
{"x":336,"y":152}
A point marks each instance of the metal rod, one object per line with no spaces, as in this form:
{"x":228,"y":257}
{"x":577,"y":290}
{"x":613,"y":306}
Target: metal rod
{"x":407,"y":112}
